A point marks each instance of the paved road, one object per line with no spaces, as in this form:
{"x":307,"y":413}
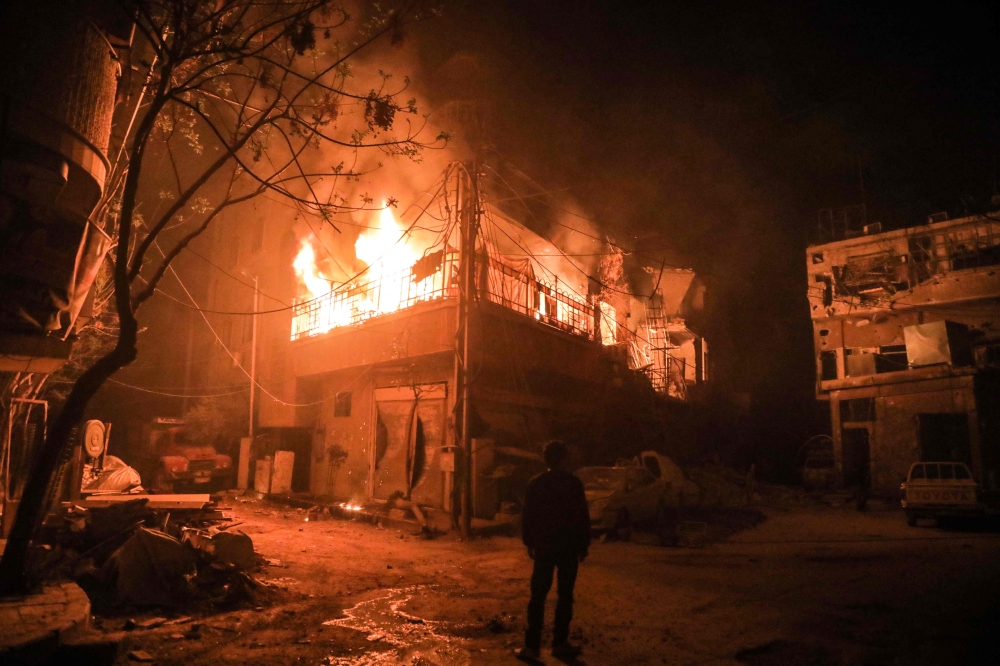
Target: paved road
{"x":815,"y":586}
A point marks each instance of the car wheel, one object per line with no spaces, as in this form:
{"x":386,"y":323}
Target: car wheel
{"x":623,"y":526}
{"x":911,"y":519}
{"x":162,"y":483}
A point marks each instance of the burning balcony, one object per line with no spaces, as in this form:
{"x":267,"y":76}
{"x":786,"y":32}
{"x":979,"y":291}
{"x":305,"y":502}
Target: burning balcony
{"x":399,"y":278}
{"x":355,"y":303}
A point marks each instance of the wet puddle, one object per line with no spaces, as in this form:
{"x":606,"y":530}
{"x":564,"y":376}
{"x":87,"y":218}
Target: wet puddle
{"x":410,"y":640}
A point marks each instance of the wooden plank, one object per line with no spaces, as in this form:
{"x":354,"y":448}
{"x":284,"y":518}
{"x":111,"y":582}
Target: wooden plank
{"x":154,"y":501}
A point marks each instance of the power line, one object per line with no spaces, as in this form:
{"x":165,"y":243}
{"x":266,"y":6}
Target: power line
{"x":230,"y":275}
{"x":177,"y":395}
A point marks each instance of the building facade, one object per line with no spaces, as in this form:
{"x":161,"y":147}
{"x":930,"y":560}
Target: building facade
{"x":906,"y":328}
{"x":361,"y":381}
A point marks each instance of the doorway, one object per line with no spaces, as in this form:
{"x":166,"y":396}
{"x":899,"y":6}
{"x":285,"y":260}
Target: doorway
{"x":856,"y":455}
{"x":409,"y":434}
{"x":944,"y":437}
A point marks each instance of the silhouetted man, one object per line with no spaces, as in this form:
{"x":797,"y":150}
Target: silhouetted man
{"x":556,"y":529}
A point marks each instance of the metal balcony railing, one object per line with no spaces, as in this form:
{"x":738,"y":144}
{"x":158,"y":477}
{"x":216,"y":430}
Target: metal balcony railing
{"x":498,"y":283}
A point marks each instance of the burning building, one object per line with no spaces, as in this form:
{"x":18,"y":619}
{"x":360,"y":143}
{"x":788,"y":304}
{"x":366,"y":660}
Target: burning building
{"x":362,"y":362}
{"x":907,"y":337}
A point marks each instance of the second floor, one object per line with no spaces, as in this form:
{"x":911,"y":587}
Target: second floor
{"x":935,"y":265}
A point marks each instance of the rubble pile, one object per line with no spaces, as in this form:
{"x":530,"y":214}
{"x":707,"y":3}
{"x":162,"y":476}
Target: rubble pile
{"x":722,"y":487}
{"x":127,"y":554}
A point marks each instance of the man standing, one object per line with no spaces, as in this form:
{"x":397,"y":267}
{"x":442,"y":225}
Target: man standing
{"x":556,"y":529}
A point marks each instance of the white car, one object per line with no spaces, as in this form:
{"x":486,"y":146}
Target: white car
{"x":939,"y":490}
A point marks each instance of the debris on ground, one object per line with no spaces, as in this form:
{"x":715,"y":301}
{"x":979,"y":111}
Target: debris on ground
{"x":160,"y":551}
{"x":501,"y":623}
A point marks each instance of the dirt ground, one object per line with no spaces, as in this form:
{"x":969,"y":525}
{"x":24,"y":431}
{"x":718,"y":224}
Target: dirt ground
{"x":814,"y":585}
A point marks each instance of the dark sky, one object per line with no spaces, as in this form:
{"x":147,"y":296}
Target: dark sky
{"x":722,"y":130}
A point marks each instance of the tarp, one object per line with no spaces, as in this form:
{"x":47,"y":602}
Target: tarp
{"x":152,"y":567}
{"x":116,"y":477}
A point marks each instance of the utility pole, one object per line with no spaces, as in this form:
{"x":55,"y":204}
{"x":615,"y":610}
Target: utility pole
{"x":469,"y":221}
{"x":188,"y":357}
{"x":253,"y":354}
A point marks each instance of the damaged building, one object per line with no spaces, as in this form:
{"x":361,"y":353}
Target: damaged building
{"x":906,"y":326}
{"x":360,"y":377}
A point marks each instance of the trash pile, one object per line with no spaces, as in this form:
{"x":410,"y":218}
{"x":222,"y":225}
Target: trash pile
{"x":130,"y":554}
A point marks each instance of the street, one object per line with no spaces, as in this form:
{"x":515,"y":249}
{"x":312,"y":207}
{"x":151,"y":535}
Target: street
{"x":816,"y":585}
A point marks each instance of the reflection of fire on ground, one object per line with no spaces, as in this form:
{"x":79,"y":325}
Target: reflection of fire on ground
{"x":413,"y":639}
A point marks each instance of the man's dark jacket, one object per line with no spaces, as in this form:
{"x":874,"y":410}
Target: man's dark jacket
{"x":555,"y":519}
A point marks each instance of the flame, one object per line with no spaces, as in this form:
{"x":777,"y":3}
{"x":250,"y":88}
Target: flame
{"x":384,"y":248}
{"x":330,"y":314}
{"x":387,"y":284}
{"x":308,"y":273}
{"x":389,"y":259}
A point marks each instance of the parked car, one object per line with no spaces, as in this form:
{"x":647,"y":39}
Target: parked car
{"x":939,"y":489}
{"x":179,"y":461}
{"x":622,"y":496}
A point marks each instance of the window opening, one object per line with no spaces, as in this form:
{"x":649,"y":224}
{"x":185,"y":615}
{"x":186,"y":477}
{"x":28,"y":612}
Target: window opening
{"x":342,"y":404}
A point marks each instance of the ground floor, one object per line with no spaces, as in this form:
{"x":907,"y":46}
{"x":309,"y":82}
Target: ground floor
{"x":814,"y":585}
{"x":880,"y":428}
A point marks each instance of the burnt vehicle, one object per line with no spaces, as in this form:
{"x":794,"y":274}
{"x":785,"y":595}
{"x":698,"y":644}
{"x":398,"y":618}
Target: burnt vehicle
{"x":623,"y":496}
{"x":680,"y":489}
{"x":183,"y":464}
{"x":819,"y":472}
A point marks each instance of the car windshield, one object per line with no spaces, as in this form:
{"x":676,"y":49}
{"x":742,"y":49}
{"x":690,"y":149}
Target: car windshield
{"x":601,"y":478}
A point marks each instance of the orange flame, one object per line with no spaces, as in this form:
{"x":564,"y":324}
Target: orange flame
{"x":387,"y":284}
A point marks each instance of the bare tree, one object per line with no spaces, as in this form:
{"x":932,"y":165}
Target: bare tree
{"x":241,"y":97}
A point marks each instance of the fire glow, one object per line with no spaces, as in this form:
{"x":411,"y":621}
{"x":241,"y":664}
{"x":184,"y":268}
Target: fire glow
{"x":387,"y":284}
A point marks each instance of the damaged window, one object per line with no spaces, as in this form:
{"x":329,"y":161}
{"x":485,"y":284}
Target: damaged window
{"x":342,"y":404}
{"x":828,"y":365}
{"x":923,"y":263}
{"x":872,"y":277}
{"x":827,"y":288}
{"x":891,"y":358}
